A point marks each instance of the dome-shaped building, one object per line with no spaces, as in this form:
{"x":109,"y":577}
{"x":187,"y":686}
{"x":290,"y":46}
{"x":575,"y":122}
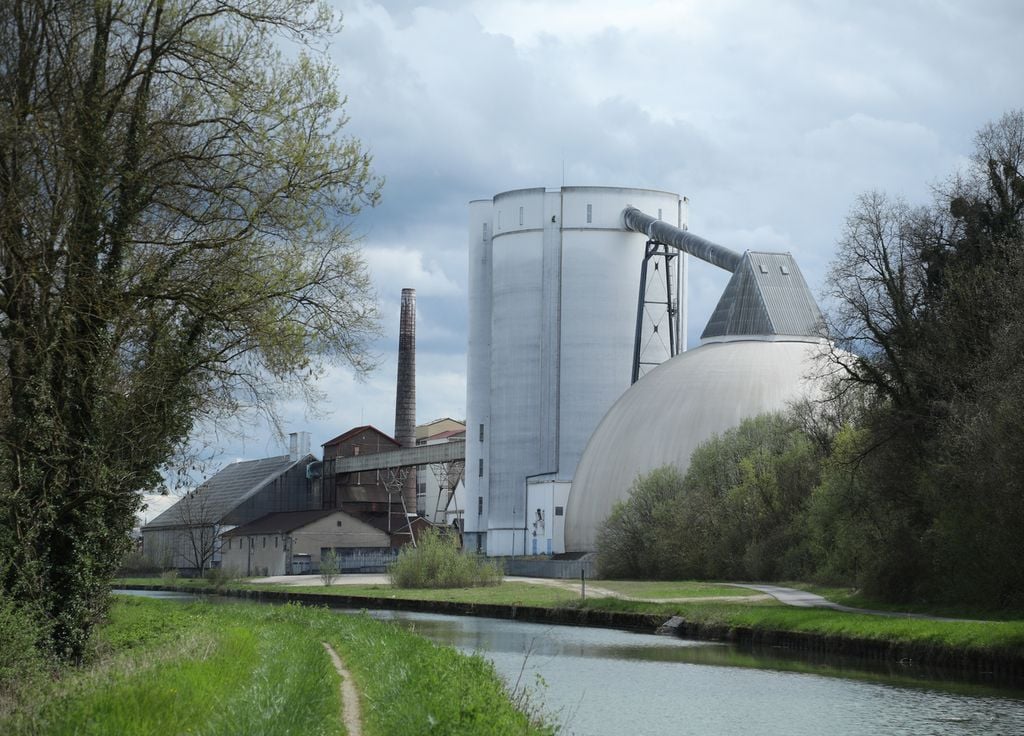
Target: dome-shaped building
{"x":682,"y":403}
{"x":758,"y":353}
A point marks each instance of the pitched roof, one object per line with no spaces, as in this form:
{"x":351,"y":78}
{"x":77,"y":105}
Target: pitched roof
{"x":766,"y":296}
{"x":224,"y":491}
{"x":279,"y":523}
{"x":358,"y":430}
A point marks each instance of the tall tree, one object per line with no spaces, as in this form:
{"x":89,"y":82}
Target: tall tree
{"x":927,"y":313}
{"x":175,"y":194}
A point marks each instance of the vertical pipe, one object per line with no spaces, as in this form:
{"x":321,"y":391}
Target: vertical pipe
{"x":405,"y":395}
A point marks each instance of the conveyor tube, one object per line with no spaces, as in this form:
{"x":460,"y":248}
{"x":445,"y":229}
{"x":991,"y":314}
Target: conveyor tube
{"x":660,"y":231}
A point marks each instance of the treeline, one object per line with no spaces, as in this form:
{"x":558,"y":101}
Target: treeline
{"x":908,"y":478}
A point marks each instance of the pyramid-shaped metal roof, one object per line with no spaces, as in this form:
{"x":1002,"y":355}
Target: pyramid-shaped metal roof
{"x":766,"y":296}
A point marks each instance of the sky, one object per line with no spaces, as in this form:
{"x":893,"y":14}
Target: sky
{"x":771,"y":117}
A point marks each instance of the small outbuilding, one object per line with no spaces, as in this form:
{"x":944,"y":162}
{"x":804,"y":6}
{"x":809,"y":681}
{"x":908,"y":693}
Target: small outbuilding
{"x":293,"y":542}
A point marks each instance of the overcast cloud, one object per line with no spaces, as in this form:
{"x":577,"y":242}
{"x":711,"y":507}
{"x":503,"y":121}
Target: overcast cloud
{"x":769,"y":117}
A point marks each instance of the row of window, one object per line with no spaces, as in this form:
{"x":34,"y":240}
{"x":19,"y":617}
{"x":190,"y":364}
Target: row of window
{"x":241,"y":542}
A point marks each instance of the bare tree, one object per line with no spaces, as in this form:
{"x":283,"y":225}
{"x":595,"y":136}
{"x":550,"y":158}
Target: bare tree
{"x":200,"y":531}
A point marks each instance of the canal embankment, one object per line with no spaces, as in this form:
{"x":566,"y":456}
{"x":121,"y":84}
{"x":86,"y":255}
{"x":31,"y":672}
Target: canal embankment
{"x":987,"y":650}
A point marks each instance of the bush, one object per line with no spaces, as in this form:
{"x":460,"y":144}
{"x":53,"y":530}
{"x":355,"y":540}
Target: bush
{"x":22,"y":663}
{"x":329,"y":567}
{"x":136,"y":565}
{"x":169,"y":577}
{"x":219,"y":578}
{"x":437,"y":562}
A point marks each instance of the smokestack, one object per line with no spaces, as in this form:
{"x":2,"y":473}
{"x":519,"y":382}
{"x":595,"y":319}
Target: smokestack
{"x":405,"y":396}
{"x":298,"y":445}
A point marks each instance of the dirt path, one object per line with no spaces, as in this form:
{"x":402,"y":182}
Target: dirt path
{"x":350,"y":714}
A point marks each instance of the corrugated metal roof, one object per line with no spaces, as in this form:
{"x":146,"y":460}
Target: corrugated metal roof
{"x":224,"y":491}
{"x":767,"y":295}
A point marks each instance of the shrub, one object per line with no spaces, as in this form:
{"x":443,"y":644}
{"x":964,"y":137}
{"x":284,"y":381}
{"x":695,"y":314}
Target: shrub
{"x":169,"y":577}
{"x":136,"y":564}
{"x":329,"y":567}
{"x":437,"y":562}
{"x":219,"y":578}
{"x":22,"y":663}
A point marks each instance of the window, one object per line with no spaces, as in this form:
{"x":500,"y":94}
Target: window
{"x":264,"y":542}
{"x":785,"y":270}
{"x":229,"y":544}
{"x":479,"y":505}
{"x":275,"y":542}
{"x":559,"y":511}
{"x":520,"y":216}
{"x":590,"y":213}
{"x":481,"y":433}
{"x":480,"y":468}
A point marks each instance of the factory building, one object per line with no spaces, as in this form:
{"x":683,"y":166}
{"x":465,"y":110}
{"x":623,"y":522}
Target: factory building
{"x":566,"y":401}
{"x":553,"y":288}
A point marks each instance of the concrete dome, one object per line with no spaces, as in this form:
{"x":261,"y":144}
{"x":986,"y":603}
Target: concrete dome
{"x":663,"y":417}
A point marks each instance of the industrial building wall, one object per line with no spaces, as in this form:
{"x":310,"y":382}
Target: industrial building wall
{"x":478,"y":376}
{"x":171,"y":547}
{"x":559,"y":278}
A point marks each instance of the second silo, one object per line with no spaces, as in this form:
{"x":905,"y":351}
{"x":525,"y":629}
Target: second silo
{"x":553,"y":291}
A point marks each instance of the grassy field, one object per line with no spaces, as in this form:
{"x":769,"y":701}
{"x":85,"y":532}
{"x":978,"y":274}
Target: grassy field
{"x":165,"y":667}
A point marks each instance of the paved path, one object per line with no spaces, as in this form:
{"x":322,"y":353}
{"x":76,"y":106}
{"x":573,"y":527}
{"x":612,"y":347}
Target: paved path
{"x":803,"y":599}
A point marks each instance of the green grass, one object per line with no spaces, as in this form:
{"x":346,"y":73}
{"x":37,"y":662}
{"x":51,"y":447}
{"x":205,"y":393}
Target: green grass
{"x":166,"y":667}
{"x":412,"y":686}
{"x":995,"y":636}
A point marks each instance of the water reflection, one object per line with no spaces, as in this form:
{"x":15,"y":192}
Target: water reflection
{"x":167,"y":595}
{"x":602,"y":681}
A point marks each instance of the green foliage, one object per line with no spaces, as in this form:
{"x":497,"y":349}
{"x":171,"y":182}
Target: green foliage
{"x":437,"y":562}
{"x":22,"y":664}
{"x":628,"y":542}
{"x":926,"y":501}
{"x":175,"y":201}
{"x":330,"y":566}
{"x":220,"y":578}
{"x":737,"y":513}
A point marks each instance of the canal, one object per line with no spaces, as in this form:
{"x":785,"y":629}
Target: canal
{"x":599,"y":682}
{"x":603,"y":681}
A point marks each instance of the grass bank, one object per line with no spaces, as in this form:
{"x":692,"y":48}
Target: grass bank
{"x":166,"y":667}
{"x":1001,"y":637}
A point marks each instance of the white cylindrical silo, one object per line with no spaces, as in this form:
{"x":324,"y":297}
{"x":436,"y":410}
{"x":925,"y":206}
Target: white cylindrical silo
{"x":564,"y":279}
{"x":478,"y":375}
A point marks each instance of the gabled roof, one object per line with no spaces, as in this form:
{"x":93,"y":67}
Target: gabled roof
{"x":224,"y":491}
{"x":446,"y":434}
{"x":355,"y":431}
{"x":766,"y":296}
{"x":280,"y":523}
